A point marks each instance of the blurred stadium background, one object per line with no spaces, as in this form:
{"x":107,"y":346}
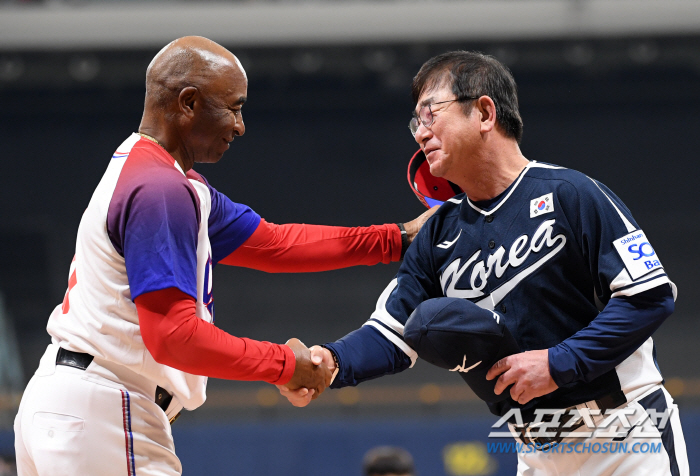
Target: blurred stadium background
{"x":608,"y":87}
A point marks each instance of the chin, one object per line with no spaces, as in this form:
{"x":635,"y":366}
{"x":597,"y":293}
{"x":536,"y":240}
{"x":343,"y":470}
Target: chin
{"x":210,"y":160}
{"x":440,"y":165}
{"x":436,"y":170}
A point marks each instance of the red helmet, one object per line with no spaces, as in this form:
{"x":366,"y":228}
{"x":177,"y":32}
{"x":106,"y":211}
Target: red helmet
{"x":431,"y":191}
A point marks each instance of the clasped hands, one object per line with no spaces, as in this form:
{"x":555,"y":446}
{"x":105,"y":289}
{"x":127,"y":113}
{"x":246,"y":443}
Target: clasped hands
{"x":527,"y":372}
{"x":312,"y":374}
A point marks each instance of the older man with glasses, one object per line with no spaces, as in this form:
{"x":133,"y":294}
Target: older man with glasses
{"x":536,"y":285}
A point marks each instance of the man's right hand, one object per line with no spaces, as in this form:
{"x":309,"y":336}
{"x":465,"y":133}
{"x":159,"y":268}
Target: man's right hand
{"x":413,"y":227}
{"x":309,"y":377}
{"x":302,"y":396}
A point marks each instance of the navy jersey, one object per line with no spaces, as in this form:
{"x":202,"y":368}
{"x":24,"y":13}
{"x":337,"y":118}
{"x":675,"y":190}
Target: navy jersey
{"x":548,"y":253}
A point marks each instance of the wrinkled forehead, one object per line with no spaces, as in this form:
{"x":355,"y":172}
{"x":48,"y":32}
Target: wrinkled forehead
{"x":231,"y":86}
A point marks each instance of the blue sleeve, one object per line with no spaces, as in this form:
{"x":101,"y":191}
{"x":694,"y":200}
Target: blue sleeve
{"x":623,"y":325}
{"x":156,"y":228}
{"x":365,"y":354}
{"x":230,"y":225}
{"x":378,"y":348}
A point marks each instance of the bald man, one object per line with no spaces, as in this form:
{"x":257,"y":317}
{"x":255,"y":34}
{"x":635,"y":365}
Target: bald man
{"x":133,"y":342}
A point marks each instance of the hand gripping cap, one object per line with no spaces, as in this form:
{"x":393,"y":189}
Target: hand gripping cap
{"x":431,"y":191}
{"x":458,"y":335}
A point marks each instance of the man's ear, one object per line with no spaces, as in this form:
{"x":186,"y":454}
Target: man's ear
{"x":487,"y":110}
{"x":187,"y":99}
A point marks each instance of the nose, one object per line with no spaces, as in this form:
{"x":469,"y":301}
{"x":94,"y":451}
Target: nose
{"x":239,"y":128}
{"x":422,"y":134}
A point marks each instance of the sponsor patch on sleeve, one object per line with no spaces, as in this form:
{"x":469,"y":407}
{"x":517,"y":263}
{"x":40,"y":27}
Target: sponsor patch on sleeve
{"x":541,"y":205}
{"x":637,"y":254}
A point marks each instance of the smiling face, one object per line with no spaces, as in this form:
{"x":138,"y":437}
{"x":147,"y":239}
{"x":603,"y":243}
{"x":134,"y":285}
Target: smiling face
{"x":216,"y":115}
{"x":453,"y":136}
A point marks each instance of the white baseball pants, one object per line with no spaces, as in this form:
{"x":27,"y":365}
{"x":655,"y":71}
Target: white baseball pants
{"x":91,"y":422}
{"x":661,"y":453}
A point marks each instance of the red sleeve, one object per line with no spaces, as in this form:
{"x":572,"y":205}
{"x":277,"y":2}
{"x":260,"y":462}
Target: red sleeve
{"x":176,"y":337}
{"x":299,"y":248}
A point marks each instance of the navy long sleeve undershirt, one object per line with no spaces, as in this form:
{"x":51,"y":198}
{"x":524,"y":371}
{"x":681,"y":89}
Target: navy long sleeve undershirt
{"x":621,"y":327}
{"x":365,"y":354}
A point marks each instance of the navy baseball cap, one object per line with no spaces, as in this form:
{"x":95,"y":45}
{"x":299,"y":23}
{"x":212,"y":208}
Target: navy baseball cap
{"x":431,"y":191}
{"x":458,"y":335}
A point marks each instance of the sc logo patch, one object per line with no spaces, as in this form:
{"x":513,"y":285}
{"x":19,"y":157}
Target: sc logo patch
{"x":637,"y":254}
{"x":643,"y":250}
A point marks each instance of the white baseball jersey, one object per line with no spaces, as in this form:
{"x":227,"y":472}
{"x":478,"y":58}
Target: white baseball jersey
{"x":147,"y":228}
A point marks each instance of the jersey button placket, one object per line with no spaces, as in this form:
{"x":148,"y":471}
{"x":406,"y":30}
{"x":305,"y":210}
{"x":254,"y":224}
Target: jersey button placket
{"x":492,"y":244}
{"x":489,"y":218}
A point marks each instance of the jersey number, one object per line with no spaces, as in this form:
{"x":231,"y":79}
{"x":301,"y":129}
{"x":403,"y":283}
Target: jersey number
{"x":72,"y":281}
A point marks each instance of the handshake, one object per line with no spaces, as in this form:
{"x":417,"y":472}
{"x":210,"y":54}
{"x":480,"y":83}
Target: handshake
{"x":312,"y":374}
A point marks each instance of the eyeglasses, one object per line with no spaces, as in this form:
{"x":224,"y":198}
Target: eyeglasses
{"x":426,"y":117}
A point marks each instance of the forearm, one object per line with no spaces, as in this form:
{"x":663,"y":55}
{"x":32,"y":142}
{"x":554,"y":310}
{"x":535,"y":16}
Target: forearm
{"x":176,"y":337}
{"x":365,"y":354}
{"x":625,"y":324}
{"x":294,"y":248}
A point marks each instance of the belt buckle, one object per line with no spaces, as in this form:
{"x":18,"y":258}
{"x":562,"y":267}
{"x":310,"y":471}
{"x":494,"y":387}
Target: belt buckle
{"x":538,"y":442}
{"x":163,"y":399}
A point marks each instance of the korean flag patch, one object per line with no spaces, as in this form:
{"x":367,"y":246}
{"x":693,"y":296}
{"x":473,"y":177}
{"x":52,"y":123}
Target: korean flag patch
{"x":637,"y":254}
{"x":541,"y":205}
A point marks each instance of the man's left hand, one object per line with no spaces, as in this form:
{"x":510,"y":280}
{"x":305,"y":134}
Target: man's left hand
{"x":527,"y":371}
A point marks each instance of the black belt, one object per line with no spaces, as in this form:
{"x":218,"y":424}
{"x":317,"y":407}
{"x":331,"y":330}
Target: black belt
{"x":81,"y":361}
{"x":606,"y":402}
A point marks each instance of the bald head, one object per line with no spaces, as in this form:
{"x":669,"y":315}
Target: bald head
{"x":195,"y":91}
{"x":188,"y":61}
